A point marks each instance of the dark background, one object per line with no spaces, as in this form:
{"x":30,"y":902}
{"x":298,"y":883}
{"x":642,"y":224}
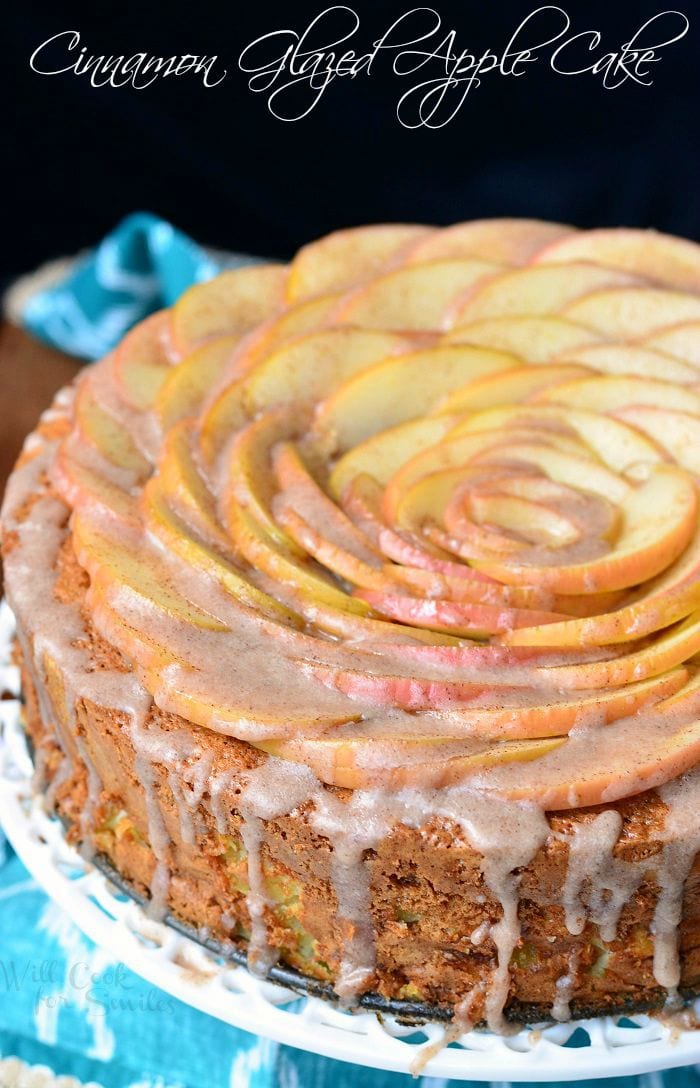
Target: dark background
{"x":219,"y":166}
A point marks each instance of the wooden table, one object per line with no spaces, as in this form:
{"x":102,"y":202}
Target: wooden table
{"x":30,"y":374}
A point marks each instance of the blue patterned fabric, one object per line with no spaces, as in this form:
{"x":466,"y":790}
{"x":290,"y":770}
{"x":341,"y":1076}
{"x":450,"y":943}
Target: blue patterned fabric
{"x":143,"y":265}
{"x":63,"y":1002}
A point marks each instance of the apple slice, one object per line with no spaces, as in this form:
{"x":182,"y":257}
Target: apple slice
{"x":579,"y":774}
{"x":555,"y":718}
{"x":682,"y":341}
{"x":658,"y":520}
{"x":454,"y":617}
{"x":411,"y":693}
{"x":675,"y":646}
{"x":268,"y":702}
{"x":633,"y":360}
{"x":383,"y":454}
{"x":347,"y":763}
{"x":611,"y":393}
{"x":534,"y":339}
{"x":301,"y":491}
{"x":652,"y":613}
{"x":230,"y":305}
{"x":114,"y":566}
{"x":539,"y":289}
{"x":80,"y":485}
{"x":413,"y":297}
{"x":219,"y":420}
{"x":362,"y":500}
{"x":140,"y":362}
{"x":310,"y":368}
{"x":401,"y":389}
{"x":664,"y":258}
{"x":676,"y":432}
{"x":509,"y":387}
{"x":309,"y":582}
{"x":346,"y":257}
{"x":455,"y":452}
{"x":510,"y":241}
{"x":187,"y":489}
{"x":187,"y":384}
{"x":459,"y":710}
{"x":630,"y":313}
{"x":177,"y":537}
{"x":305,"y":317}
{"x":621,"y":447}
{"x":99,"y":429}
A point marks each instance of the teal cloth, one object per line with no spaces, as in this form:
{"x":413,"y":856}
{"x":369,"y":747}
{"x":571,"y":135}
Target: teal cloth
{"x":143,"y":265}
{"x":117,"y":1029}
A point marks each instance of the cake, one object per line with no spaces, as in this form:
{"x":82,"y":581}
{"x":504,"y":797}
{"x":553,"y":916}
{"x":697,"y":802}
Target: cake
{"x":358,"y":616}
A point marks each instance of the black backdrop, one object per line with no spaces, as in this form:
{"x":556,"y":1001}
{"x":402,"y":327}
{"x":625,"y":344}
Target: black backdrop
{"x":220,"y":166}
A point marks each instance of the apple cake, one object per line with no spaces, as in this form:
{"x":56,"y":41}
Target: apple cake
{"x":358,"y":615}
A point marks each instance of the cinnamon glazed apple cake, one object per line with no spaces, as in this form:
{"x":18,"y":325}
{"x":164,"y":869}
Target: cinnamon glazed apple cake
{"x":358,"y":612}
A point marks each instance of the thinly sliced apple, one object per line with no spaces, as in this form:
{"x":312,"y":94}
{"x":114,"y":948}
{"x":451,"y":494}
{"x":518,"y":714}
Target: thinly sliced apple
{"x":219,"y":420}
{"x":416,"y":297}
{"x":567,"y":779}
{"x":308,"y":316}
{"x":113,"y":565}
{"x":186,"y":386}
{"x":555,"y":718}
{"x":250,"y":479}
{"x":343,"y":762}
{"x":645,"y":617}
{"x":383,"y":454}
{"x":509,"y":387}
{"x":177,"y":537}
{"x":682,"y":341}
{"x":676,"y":432}
{"x":346,"y":257}
{"x":658,"y":520}
{"x":456,"y":451}
{"x":362,"y":499}
{"x":674,"y":647}
{"x":663,"y":258}
{"x":306,"y":497}
{"x":106,"y":434}
{"x":384,"y":688}
{"x":254,"y":709}
{"x":616,"y":444}
{"x":640,"y":362}
{"x":454,"y":617}
{"x":612,"y":393}
{"x":310,"y":368}
{"x":630,"y":313}
{"x":401,"y":389}
{"x":539,"y":289}
{"x":534,"y":339}
{"x":141,"y":363}
{"x":230,"y":305}
{"x":510,"y":241}
{"x":460,"y":713}
{"x":308,"y":582}
{"x":186,"y":488}
{"x":81,"y":485}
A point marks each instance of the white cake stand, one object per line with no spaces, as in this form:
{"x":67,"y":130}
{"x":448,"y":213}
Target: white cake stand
{"x":192,"y":974}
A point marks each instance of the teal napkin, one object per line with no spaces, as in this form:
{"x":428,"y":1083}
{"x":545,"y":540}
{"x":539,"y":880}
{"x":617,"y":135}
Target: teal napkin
{"x":143,"y":265}
{"x":63,"y":1002}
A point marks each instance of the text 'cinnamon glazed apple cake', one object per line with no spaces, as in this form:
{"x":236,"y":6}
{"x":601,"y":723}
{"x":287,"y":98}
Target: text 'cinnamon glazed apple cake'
{"x":358,"y":609}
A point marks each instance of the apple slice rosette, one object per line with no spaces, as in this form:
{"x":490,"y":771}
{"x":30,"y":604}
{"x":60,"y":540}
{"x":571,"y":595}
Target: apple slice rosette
{"x":419,"y":509}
